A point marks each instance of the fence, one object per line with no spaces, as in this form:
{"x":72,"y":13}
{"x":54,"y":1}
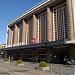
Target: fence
{"x":62,"y":70}
{"x":57,"y":68}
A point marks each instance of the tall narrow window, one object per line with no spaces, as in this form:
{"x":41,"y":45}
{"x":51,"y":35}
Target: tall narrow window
{"x":60,"y":22}
{"x":30,"y":31}
{"x":42,"y":27}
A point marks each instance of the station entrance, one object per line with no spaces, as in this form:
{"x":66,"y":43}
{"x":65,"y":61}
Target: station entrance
{"x":52,"y":55}
{"x":59,"y":55}
{"x":59,"y":58}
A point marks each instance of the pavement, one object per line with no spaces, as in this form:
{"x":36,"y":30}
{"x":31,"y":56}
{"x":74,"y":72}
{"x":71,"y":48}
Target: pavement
{"x":27,"y":69}
{"x":32,"y":69}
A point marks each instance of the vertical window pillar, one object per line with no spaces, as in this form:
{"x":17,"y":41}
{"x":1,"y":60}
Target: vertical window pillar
{"x":9,"y":36}
{"x":27,"y":34}
{"x":16,"y":35}
{"x":35,"y":27}
{"x":71,"y":18}
{"x":13,"y":35}
{"x":49,"y":25}
{"x":24,"y":33}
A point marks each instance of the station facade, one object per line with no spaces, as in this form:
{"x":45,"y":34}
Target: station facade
{"x":46,"y":31}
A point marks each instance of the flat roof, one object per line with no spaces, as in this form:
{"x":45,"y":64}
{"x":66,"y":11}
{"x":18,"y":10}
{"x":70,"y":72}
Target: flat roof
{"x":30,"y":10}
{"x":34,"y":9}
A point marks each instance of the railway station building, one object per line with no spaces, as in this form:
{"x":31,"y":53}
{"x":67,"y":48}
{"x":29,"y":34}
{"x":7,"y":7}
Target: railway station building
{"x":46,"y":31}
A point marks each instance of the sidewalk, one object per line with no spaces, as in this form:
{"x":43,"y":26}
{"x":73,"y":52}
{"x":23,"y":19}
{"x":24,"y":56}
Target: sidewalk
{"x":27,"y":69}
{"x":55,"y":68}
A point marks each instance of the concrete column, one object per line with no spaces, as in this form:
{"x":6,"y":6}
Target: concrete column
{"x":35,"y":27}
{"x":49,"y":25}
{"x":24,"y":32}
{"x":9,"y":36}
{"x":27,"y":34}
{"x":16,"y":35}
{"x":71,"y":18}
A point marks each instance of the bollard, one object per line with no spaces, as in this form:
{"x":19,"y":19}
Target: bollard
{"x":61,"y":70}
{"x":51,"y":69}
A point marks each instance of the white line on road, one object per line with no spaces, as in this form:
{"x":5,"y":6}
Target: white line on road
{"x":19,"y":73}
{"x":22,"y":73}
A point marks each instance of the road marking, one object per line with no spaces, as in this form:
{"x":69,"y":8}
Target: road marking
{"x":22,"y":73}
{"x":19,"y":73}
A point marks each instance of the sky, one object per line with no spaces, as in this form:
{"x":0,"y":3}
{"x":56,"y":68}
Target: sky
{"x":9,"y":10}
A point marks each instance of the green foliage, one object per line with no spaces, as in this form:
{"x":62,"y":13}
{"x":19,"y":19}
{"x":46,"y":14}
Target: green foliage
{"x":5,"y":59}
{"x":19,"y":61}
{"x":43,"y":64}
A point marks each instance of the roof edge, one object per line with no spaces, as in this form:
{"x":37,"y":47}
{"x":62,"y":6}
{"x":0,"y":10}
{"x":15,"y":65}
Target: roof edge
{"x":30,"y":10}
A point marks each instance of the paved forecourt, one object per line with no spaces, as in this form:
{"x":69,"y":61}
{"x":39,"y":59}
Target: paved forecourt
{"x":13,"y":69}
{"x":29,"y":69}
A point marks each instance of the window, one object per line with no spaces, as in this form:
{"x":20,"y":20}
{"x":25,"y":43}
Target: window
{"x":20,"y":33}
{"x":42,"y":27}
{"x":60,"y":22}
{"x":13,"y":34}
{"x":30,"y":31}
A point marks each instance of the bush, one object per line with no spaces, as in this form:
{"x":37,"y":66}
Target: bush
{"x":19,"y":61}
{"x":43,"y":64}
{"x":5,"y":59}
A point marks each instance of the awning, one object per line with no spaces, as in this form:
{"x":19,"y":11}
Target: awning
{"x":41,"y":45}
